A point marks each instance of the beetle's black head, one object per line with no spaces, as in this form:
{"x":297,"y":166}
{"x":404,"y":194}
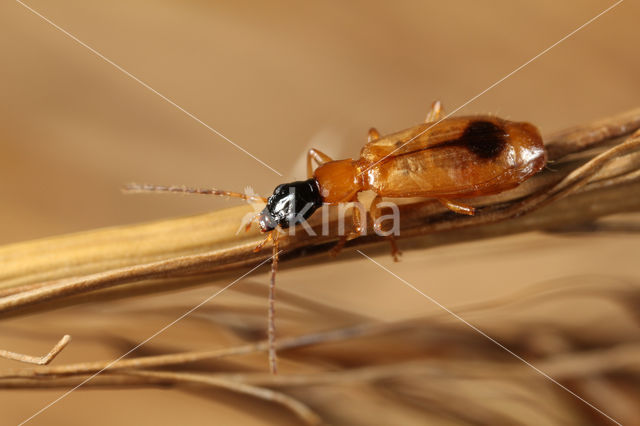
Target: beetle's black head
{"x":290,"y":204}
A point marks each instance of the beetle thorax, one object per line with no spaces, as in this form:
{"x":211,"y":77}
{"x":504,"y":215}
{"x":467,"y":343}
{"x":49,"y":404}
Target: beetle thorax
{"x":338,"y":181}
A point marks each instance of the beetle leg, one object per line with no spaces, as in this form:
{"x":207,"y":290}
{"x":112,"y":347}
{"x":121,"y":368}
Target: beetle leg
{"x":338,"y":247}
{"x":434,"y":112}
{"x":355,"y":232}
{"x":395,"y":251}
{"x":320,"y":158}
{"x":375,"y":213}
{"x":357,"y":229}
{"x":373,"y":135}
{"x":458,"y":207}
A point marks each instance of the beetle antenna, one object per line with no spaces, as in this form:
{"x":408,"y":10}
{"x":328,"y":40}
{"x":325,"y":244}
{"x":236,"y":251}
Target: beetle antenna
{"x":271,"y":327}
{"x":140,"y":188}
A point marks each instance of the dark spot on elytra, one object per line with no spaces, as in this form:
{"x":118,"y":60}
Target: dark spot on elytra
{"x":399,"y":144}
{"x":484,"y":138}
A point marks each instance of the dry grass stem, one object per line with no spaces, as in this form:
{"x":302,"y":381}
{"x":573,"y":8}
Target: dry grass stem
{"x":300,"y":409}
{"x":610,"y":178}
{"x":406,"y":357}
{"x":39,"y":360}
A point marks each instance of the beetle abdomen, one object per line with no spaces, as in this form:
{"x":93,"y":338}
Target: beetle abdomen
{"x":465,"y":157}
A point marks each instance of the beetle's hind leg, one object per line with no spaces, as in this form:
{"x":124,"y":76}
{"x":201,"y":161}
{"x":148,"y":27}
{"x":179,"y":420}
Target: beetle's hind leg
{"x":395,"y":251}
{"x":458,"y":207}
{"x":319,"y":157}
{"x":434,"y":113}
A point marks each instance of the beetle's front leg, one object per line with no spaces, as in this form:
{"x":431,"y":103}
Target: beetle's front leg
{"x":319,"y":157}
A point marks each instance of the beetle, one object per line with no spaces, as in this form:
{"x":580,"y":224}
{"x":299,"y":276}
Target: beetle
{"x":460,"y":157}
{"x":448,"y":159}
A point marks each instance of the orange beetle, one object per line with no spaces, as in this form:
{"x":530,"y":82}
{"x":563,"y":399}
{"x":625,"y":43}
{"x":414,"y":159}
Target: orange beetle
{"x":460,"y":157}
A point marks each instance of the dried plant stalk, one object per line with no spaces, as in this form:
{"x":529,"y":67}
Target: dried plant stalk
{"x":441,"y":380}
{"x":577,"y":190}
{"x":39,"y":360}
{"x":623,"y":357}
{"x":300,"y":409}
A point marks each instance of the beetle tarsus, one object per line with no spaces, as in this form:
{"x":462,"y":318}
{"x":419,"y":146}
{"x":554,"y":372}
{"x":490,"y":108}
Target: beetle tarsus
{"x":458,"y":207}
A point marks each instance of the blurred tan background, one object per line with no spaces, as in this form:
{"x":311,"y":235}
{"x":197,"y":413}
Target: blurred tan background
{"x":278,"y":78}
